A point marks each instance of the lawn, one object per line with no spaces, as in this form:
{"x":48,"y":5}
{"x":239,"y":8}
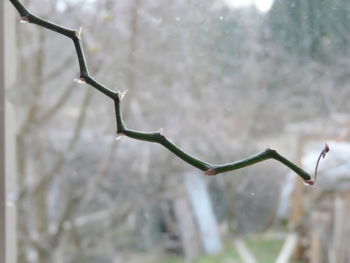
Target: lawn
{"x":264,"y":250}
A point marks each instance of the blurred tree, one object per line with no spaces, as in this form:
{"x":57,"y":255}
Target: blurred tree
{"x":315,"y":29}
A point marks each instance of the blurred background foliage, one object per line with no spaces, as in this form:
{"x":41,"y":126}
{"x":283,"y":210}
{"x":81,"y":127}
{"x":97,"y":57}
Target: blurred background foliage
{"x":224,"y":79}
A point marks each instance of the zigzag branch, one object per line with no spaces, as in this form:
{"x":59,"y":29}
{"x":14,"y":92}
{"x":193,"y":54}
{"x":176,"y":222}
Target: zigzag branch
{"x":156,"y":137}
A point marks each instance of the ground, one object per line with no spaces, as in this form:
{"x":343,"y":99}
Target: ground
{"x":264,"y":250}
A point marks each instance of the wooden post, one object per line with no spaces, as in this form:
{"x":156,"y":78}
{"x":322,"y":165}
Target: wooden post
{"x":203,"y":212}
{"x":338,"y":248}
{"x":187,"y":228}
{"x":315,"y":247}
{"x":297,"y":203}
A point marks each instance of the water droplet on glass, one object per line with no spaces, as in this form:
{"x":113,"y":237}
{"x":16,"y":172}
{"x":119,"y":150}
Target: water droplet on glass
{"x":12,"y":197}
{"x":252,"y":194}
{"x":34,"y":235}
{"x":24,"y":20}
{"x":161,"y":131}
{"x":32,"y":255}
{"x":221,"y":18}
{"x":52,"y":229}
{"x":80,"y":80}
{"x":67,"y":225}
{"x":177,"y":19}
{"x":309,"y":182}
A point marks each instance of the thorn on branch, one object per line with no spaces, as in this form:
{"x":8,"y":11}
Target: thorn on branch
{"x":24,"y":19}
{"x":121,"y":95}
{"x":210,"y":172}
{"x":78,"y":32}
{"x":119,"y":136}
{"x":161,"y":131}
{"x":80,"y":80}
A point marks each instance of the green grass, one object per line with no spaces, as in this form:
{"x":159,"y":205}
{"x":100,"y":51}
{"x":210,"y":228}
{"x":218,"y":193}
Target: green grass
{"x":264,"y":250}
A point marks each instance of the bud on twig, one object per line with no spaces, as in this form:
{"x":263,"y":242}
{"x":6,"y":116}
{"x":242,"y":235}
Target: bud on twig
{"x":24,"y":19}
{"x":210,"y":172}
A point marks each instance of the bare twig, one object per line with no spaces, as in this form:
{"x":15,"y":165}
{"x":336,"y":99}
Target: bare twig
{"x":323,"y":155}
{"x":156,"y":137}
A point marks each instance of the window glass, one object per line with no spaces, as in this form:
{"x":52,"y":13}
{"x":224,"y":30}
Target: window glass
{"x":221,"y":79}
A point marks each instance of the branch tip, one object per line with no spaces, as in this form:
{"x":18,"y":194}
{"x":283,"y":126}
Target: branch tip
{"x":210,"y":172}
{"x":80,"y":80}
{"x":325,"y":150}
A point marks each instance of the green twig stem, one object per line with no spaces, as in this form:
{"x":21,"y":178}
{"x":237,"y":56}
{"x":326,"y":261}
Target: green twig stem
{"x":156,"y":137}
